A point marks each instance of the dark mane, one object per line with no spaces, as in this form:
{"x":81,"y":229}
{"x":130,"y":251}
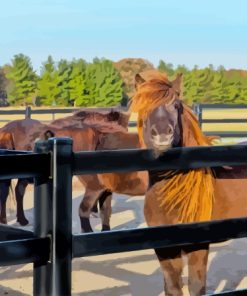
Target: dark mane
{"x":98,"y":116}
{"x":104,"y":120}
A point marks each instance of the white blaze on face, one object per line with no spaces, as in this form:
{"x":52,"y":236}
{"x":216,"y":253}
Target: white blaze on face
{"x":163,"y":142}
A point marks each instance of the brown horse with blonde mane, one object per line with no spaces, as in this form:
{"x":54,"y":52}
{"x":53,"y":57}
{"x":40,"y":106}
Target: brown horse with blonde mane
{"x":164,"y":121}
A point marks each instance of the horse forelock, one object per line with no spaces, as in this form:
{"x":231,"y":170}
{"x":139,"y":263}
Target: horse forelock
{"x":150,"y":95}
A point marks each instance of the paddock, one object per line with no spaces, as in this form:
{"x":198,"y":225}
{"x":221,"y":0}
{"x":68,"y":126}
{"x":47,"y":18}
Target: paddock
{"x":126,"y":274}
{"x":135,"y":273}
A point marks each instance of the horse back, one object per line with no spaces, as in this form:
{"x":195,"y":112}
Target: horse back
{"x":21,"y":130}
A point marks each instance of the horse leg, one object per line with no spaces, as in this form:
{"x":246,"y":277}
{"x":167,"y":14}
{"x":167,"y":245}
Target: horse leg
{"x":4,"y":192}
{"x":197,"y":265}
{"x":95,"y":209}
{"x":19,"y":194}
{"x":85,"y":208}
{"x":105,"y":209}
{"x":172,"y":265}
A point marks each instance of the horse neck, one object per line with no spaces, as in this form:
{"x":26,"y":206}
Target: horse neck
{"x":192,"y":134}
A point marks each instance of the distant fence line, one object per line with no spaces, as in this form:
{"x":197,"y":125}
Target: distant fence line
{"x":28,"y":112}
{"x":199,"y":108}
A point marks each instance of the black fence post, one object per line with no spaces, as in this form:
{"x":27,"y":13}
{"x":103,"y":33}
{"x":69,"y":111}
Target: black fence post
{"x":53,"y":217}
{"x":199,"y":114}
{"x":28,"y":112}
{"x":42,"y":272}
{"x":197,"y":109}
{"x":61,"y":216}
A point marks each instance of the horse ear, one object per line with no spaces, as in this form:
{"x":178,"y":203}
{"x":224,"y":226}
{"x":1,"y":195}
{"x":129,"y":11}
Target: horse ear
{"x":138,"y":80}
{"x":176,"y":83}
{"x":48,"y":134}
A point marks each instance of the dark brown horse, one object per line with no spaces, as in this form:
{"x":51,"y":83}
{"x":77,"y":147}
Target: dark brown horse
{"x":174,"y":197}
{"x":18,"y":129}
{"x":90,"y":130}
{"x":23,"y":134}
{"x":100,"y":186}
{"x":110,"y":132}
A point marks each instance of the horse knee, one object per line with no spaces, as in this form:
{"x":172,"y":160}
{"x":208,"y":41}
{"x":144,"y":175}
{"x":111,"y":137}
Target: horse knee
{"x":85,"y":208}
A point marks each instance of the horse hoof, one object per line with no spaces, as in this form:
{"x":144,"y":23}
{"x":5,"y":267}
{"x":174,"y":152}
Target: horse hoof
{"x":106,"y":228}
{"x":23,"y":221}
{"x":86,"y":230}
{"x":85,"y":225}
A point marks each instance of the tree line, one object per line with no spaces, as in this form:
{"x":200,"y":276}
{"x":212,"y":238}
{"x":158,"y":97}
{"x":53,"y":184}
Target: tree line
{"x":210,"y":85}
{"x":101,"y":84}
{"x":66,"y":83}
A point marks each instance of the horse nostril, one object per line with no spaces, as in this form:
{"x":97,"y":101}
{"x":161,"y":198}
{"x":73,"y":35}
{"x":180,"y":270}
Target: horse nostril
{"x":170,"y":130}
{"x":154,"y":132}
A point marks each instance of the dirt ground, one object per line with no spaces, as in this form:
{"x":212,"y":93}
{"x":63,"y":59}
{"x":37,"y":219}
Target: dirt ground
{"x":125,"y":274}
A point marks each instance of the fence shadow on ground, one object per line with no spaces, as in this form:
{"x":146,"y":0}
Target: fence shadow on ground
{"x":226,"y":269}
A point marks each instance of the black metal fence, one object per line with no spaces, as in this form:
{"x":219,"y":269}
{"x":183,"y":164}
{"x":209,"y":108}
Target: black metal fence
{"x":52,"y":246}
{"x":199,"y":108}
{"x":28,"y":112}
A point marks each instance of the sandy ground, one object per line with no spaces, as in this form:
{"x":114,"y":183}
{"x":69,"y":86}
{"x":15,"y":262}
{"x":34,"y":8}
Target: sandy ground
{"x":125,"y":274}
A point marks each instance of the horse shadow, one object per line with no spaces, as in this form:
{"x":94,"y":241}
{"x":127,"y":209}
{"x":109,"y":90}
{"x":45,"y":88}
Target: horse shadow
{"x":124,"y":204}
{"x":133,"y":281}
{"x":227,"y":268}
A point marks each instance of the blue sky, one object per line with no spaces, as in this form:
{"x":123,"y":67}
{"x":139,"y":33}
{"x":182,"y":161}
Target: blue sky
{"x":181,"y":32}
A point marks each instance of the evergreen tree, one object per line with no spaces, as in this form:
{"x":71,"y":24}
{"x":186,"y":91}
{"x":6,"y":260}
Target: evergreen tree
{"x":3,"y":84}
{"x":167,"y":68}
{"x":48,"y":84}
{"x":103,"y":85}
{"x":64,"y":70}
{"x":76,"y":83}
{"x":23,"y":79}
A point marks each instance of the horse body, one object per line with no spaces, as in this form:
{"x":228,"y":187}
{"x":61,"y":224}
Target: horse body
{"x":90,"y":131}
{"x":19,"y":130}
{"x":182,"y":196}
{"x":100,"y":186}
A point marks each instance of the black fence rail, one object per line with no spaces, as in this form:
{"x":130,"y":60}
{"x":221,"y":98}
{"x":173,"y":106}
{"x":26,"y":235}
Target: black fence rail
{"x":52,"y":246}
{"x":199,"y":108}
{"x":28,"y":112}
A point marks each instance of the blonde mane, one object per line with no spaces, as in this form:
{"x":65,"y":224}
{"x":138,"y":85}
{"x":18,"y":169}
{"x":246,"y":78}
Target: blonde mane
{"x":190,"y":195}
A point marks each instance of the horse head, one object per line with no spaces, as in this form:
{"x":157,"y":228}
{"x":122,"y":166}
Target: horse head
{"x":159,"y":112}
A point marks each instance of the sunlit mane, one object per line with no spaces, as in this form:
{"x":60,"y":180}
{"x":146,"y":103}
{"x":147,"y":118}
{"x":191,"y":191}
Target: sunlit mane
{"x":190,"y":194}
